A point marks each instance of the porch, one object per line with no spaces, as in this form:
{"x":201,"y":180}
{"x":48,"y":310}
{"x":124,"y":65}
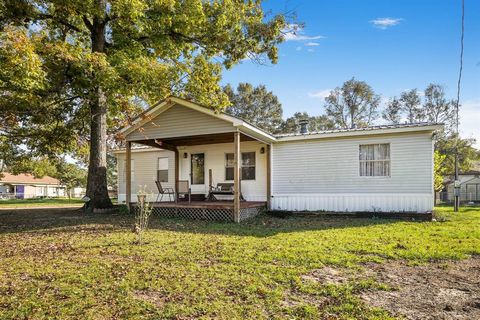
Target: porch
{"x":207,"y":210}
{"x":204,"y":149}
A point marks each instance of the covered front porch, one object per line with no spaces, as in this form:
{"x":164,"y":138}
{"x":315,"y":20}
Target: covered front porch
{"x":206,"y":149}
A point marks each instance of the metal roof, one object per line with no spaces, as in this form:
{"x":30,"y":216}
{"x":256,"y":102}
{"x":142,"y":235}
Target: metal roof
{"x":369,"y":128}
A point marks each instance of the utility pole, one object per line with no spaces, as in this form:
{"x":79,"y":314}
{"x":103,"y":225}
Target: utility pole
{"x":456,"y":204}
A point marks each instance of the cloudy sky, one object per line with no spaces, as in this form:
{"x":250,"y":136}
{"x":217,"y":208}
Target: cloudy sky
{"x":393,"y":45}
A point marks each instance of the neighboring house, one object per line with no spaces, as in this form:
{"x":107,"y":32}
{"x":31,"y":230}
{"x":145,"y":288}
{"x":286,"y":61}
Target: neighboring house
{"x":469,"y":187}
{"x":384,"y":168}
{"x":77,"y":192}
{"x":23,"y":186}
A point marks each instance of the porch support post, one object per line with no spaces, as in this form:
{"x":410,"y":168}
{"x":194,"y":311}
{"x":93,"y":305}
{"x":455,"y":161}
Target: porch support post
{"x":128,"y":173}
{"x":177,"y":171}
{"x":236,"y":176}
{"x":269,"y":177}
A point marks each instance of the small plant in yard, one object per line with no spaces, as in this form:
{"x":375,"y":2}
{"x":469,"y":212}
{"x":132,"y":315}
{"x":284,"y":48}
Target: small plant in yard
{"x":142,"y":214}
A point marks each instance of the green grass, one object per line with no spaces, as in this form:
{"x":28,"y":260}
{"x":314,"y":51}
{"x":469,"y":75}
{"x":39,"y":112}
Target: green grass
{"x":23,"y":203}
{"x":61,"y":264}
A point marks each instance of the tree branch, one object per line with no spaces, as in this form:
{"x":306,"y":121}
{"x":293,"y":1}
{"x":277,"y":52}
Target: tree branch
{"x":63,"y":22}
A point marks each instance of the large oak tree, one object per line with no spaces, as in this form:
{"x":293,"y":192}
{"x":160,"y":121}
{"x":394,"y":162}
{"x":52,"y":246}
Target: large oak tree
{"x":70,"y":70}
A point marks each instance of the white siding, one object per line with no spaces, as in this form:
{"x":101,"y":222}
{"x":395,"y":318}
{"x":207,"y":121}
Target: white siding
{"x":145,"y":172}
{"x":145,"y":163}
{"x":180,"y":121}
{"x":324,"y":174}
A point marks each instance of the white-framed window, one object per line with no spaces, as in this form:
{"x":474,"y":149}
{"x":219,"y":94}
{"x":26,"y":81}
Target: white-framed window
{"x":162,"y":169}
{"x":247,"y":167}
{"x":374,"y":160}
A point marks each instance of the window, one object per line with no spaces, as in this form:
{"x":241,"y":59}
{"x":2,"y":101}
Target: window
{"x":198,"y":168}
{"x":247,"y":167}
{"x":162,"y":170}
{"x":375,"y":160}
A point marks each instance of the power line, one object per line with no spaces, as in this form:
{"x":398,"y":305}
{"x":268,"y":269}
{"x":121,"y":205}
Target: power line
{"x":457,"y":187}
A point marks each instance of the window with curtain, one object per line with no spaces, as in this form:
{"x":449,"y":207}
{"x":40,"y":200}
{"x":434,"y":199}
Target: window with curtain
{"x":247,"y":171}
{"x":374,"y":160}
{"x":162,"y":170}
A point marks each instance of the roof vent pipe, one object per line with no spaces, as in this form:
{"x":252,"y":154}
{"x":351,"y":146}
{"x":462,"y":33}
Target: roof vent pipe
{"x":303,"y":126}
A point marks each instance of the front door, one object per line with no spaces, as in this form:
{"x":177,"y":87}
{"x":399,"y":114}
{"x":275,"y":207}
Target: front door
{"x":19,"y":192}
{"x":197,"y":172}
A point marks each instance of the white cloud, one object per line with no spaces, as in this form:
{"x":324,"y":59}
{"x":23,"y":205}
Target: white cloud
{"x":295,"y":32}
{"x":322,"y":94}
{"x":469,"y":119}
{"x":384,"y":23}
{"x":310,"y":50}
{"x":298,"y":48}
{"x":312,"y":44}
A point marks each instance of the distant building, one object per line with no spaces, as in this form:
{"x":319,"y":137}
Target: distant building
{"x":469,"y":187}
{"x":24,"y":186}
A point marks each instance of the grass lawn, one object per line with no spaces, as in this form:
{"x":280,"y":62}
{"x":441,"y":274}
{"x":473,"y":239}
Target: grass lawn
{"x":53,"y":202}
{"x":58,"y":263}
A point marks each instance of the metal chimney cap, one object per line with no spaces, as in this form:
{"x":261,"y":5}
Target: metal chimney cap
{"x":303,"y":126}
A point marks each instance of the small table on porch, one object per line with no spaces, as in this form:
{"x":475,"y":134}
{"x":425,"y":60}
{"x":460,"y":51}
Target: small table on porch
{"x":225,"y":189}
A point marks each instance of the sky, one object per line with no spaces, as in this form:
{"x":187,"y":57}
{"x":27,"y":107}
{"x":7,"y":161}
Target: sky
{"x":393,"y":45}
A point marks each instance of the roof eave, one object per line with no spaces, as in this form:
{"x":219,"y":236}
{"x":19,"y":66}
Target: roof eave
{"x":426,"y":128}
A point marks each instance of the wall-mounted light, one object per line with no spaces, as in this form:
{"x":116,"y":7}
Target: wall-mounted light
{"x":262,"y":150}
{"x":185,"y":155}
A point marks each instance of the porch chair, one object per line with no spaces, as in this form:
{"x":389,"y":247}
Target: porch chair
{"x":184,"y":188}
{"x":163,"y":191}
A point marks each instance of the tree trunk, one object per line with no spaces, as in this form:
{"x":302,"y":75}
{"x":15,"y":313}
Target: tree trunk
{"x":97,"y":188}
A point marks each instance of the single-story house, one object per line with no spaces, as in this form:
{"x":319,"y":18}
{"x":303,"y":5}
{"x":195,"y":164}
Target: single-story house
{"x":386,"y":168}
{"x":469,"y":187}
{"x":24,"y":186}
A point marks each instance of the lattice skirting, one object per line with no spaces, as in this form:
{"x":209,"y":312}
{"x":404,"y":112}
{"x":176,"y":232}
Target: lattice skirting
{"x":195,"y":213}
{"x":247,"y":213}
{"x":210,"y":214}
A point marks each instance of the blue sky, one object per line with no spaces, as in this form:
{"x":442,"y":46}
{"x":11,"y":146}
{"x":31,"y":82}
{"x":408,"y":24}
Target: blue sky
{"x":393,"y":45}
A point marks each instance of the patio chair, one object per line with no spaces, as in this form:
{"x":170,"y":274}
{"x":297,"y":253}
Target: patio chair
{"x":163,"y":191}
{"x":184,"y":189}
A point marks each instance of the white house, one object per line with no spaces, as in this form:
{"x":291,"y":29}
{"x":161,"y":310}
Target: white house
{"x":23,"y":186}
{"x":383,"y":168}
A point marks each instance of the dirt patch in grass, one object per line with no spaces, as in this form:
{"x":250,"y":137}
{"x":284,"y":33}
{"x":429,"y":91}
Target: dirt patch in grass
{"x":435,"y":291}
{"x":441,"y":290}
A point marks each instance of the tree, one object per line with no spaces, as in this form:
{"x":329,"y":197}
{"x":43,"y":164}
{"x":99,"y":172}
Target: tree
{"x":467,"y":154}
{"x":392,"y":112}
{"x":256,"y":105}
{"x":437,"y":109}
{"x":410,"y":104}
{"x":72,"y":69}
{"x":439,"y":170}
{"x":315,"y":123}
{"x":72,"y":176}
{"x":352,"y":105}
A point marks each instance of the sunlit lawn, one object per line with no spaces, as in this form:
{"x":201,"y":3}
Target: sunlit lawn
{"x":47,"y":202}
{"x":62,"y":264}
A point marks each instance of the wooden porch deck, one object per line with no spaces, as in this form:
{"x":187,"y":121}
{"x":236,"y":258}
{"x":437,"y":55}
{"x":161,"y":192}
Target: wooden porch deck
{"x":210,"y":204}
{"x":207,"y":210}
